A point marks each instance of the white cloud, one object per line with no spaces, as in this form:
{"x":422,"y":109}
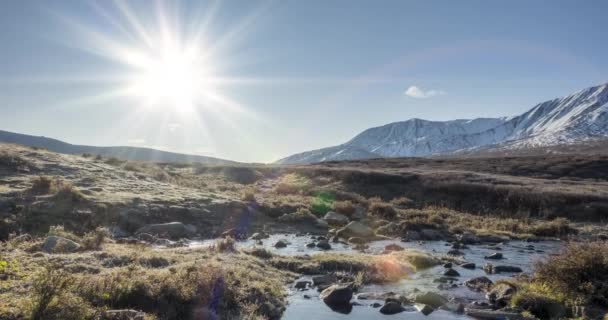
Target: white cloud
{"x":418,"y":93}
{"x":174,"y":126}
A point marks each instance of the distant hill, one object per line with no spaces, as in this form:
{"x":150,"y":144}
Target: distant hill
{"x":573,"y":119}
{"x":124,"y":153}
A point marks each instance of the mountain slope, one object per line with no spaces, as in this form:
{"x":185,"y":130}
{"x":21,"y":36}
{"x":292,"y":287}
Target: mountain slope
{"x":577,"y":117}
{"x":124,"y":153}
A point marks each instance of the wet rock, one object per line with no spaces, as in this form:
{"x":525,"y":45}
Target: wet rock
{"x":411,"y":235}
{"x":501,"y":294}
{"x":280,"y":244}
{"x":479,"y":284}
{"x":491,"y":269}
{"x":259,"y":236}
{"x":432,"y":299}
{"x":393,"y":247}
{"x":323,"y":244}
{"x":455,"y":252}
{"x":494,"y":256}
{"x":430,"y":234}
{"x":335,"y":239}
{"x":468,"y":238}
{"x":122,"y":315}
{"x":54,"y":244}
{"x":447,"y":265}
{"x":302,"y":284}
{"x":492,"y":314}
{"x":425,"y":309}
{"x":451,"y":273}
{"x":337,"y":297}
{"x":376,"y":305}
{"x":392,"y":307}
{"x":171,"y":230}
{"x":306,"y":296}
{"x":468,"y":265}
{"x":311,"y":245}
{"x":335,"y":219}
{"x":146,"y":237}
{"x":325,"y":279}
{"x":355,"y":229}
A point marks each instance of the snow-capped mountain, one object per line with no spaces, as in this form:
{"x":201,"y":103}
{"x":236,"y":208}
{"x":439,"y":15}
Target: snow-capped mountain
{"x":577,"y":117}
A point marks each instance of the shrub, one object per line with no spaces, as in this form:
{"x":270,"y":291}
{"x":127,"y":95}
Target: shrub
{"x":541,"y":306}
{"x":224,"y":245}
{"x":579,"y":273}
{"x":383,"y":210}
{"x":47,"y":287}
{"x":555,"y":228}
{"x":114,"y":161}
{"x":248,"y":194}
{"x":344,"y":207}
{"x":292,"y":183}
{"x":322,"y":203}
{"x":94,"y":239}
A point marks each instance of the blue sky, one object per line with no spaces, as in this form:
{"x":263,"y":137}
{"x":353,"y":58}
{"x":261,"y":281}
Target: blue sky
{"x":289,"y":76}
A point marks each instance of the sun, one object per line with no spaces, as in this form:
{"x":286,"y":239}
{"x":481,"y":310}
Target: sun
{"x":174,"y":78}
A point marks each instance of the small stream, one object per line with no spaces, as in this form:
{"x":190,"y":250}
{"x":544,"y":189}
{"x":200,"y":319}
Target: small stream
{"x":306,"y":305}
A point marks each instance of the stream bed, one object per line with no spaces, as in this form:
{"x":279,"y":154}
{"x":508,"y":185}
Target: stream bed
{"x":306,"y":305}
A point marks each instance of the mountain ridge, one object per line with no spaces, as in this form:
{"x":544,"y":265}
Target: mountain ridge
{"x":120,"y":152}
{"x":577,"y":117}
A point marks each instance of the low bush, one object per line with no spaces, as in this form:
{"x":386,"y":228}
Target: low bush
{"x":382,"y":210}
{"x":248,"y":194}
{"x":344,"y":207}
{"x":293,"y":183}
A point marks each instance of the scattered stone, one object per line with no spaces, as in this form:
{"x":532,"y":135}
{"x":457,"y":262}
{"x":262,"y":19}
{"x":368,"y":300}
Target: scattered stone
{"x":451,"y":273}
{"x":430,"y":234}
{"x":302,"y":284}
{"x":337,"y":296}
{"x":453,"y":306}
{"x":455,"y":252}
{"x":447,"y":265}
{"x":335,"y":219}
{"x":54,"y":244}
{"x":491,"y":238}
{"x":376,"y":305}
{"x":479,"y":284}
{"x":311,"y":245}
{"x":392,"y":307}
{"x":306,"y":296}
{"x":468,"y":238}
{"x":501,"y":294}
{"x":355,"y":229}
{"x":171,"y":230}
{"x":432,"y":299}
{"x":280,"y":244}
{"x":335,"y":239}
{"x":468,"y":265}
{"x":425,"y":309}
{"x":323,"y":244}
{"x":494,"y":256}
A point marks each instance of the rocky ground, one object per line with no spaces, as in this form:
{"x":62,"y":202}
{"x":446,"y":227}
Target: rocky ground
{"x":86,"y":237}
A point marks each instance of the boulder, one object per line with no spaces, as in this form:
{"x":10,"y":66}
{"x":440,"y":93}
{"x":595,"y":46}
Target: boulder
{"x":425,"y":309}
{"x":323,"y":244}
{"x":335,"y":219}
{"x":392,"y":307}
{"x":501,"y":294}
{"x":360,"y":213}
{"x":454,"y":306}
{"x":492,"y":238}
{"x":479,"y":284}
{"x":171,"y":230}
{"x":55,"y":244}
{"x":356,"y":229}
{"x":302,"y":284}
{"x":447,"y":265}
{"x":494,"y":256}
{"x":468,"y":238}
{"x":432,"y":299}
{"x":325,"y":279}
{"x":356,"y":240}
{"x":430,"y":234}
{"x":337,"y":296}
{"x":311,"y":245}
{"x":491,"y":269}
{"x":280,"y":244}
{"x":468,"y":265}
{"x":411,"y":235}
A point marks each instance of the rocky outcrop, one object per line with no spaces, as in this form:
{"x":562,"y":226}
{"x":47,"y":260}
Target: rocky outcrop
{"x":355,"y":229}
{"x":335,"y":219}
{"x":337,"y":297}
{"x":479,"y":284}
